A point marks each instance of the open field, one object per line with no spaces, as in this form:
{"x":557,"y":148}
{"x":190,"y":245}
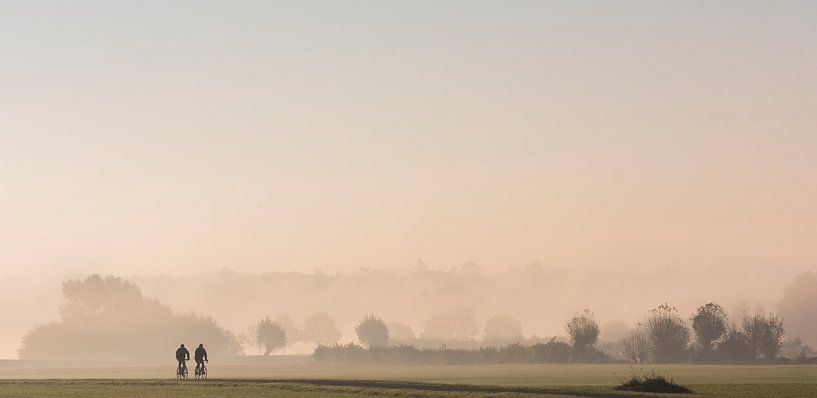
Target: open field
{"x":263,"y":379}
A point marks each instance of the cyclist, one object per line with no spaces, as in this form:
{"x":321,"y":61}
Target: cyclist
{"x":182,"y":355}
{"x":201,"y":358}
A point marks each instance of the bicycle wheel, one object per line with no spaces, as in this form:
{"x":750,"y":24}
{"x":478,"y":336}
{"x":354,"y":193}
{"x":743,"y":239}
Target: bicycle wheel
{"x":203,"y":373}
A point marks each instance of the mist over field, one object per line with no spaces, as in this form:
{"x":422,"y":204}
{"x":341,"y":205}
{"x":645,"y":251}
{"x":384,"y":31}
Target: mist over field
{"x":446,"y":182}
{"x":541,"y":298}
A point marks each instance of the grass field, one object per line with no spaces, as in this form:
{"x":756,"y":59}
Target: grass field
{"x":260,"y":380}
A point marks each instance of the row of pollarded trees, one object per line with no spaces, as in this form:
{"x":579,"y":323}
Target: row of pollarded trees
{"x":665,"y":337}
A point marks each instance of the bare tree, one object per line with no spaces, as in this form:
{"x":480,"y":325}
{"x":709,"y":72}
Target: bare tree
{"x":372,"y":332}
{"x":764,"y":335}
{"x":637,"y":344}
{"x":583,"y":330}
{"x":669,"y":335}
{"x":709,"y":324}
{"x":270,"y":335}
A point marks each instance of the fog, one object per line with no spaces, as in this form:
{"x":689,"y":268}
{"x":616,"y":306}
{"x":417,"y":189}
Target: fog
{"x":541,"y":298}
{"x":243,"y":160}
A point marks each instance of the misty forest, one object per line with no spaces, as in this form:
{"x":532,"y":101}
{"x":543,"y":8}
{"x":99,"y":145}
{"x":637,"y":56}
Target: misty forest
{"x":422,"y":317}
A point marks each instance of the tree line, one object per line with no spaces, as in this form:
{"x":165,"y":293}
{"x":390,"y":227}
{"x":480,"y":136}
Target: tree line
{"x":663,"y":337}
{"x":101,"y":316}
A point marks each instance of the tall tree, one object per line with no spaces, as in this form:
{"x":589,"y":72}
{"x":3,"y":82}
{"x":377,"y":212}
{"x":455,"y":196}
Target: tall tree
{"x":372,"y":332}
{"x":584,"y":331}
{"x":669,"y":335}
{"x":764,"y":334}
{"x":709,"y":324}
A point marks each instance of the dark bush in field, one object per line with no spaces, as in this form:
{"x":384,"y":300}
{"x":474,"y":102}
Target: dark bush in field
{"x":551,"y":352}
{"x":654,"y":383}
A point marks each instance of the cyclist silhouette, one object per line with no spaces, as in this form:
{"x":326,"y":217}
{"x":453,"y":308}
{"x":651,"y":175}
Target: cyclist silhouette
{"x":182,"y":355}
{"x":201,"y":358}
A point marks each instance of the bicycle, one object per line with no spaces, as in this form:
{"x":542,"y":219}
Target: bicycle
{"x":181,"y":373}
{"x":201,"y":372}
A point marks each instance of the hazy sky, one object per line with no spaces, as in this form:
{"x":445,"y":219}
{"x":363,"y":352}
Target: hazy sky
{"x":158,"y":136}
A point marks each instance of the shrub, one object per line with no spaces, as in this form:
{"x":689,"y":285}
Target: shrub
{"x":654,"y":383}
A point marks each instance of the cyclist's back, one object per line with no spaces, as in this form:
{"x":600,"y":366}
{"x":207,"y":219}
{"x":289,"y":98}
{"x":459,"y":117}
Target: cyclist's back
{"x":182,"y":355}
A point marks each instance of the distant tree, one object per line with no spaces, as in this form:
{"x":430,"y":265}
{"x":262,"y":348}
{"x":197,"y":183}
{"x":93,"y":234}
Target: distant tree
{"x":96,"y":297}
{"x":320,"y":328}
{"x":799,"y":306}
{"x":614,"y":331}
{"x":709,"y":324}
{"x":734,"y":348}
{"x":455,"y":325}
{"x":584,"y":331}
{"x":669,"y":336}
{"x":100,"y":313}
{"x":637,"y":344}
{"x":502,"y":328}
{"x":400,"y":332}
{"x":270,"y":336}
{"x":372,"y":332}
{"x":764,"y":334}
{"x":796,"y":350}
{"x":290,"y":328}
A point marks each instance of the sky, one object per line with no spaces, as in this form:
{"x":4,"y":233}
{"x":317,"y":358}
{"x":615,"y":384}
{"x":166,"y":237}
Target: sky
{"x":159,"y":137}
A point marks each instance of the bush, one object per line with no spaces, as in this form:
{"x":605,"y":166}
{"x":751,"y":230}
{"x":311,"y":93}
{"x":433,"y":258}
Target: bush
{"x":654,"y":383}
{"x":551,"y":352}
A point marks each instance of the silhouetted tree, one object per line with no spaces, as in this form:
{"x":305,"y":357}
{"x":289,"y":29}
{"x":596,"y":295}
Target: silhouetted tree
{"x":669,"y":336}
{"x":372,"y":332}
{"x":502,"y":329}
{"x":584,"y":331}
{"x":637,"y":344}
{"x":320,"y":328}
{"x":709,"y":324}
{"x":270,"y":336}
{"x":764,"y":334}
{"x":455,"y":325}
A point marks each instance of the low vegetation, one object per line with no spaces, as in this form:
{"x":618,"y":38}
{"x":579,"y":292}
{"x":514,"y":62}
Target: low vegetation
{"x":653,"y":382}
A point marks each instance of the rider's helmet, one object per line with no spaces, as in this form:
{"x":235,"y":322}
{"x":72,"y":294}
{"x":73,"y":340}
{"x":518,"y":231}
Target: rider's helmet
{"x":201,"y":345}
{"x":182,"y":345}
